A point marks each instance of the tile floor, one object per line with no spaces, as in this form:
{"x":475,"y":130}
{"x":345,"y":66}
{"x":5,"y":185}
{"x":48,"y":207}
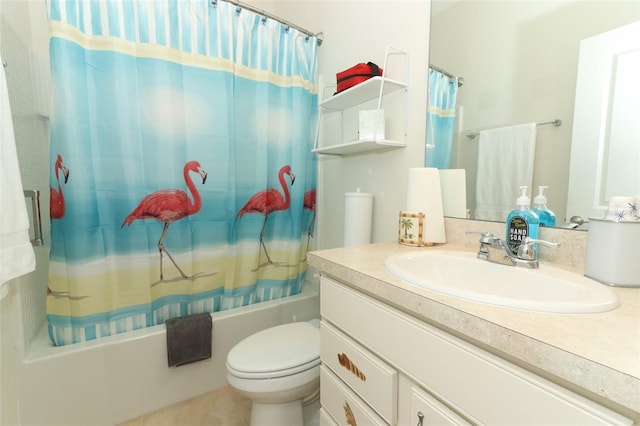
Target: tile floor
{"x":223,"y":407}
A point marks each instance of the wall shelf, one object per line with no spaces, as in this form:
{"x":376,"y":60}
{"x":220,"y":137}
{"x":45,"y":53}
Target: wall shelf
{"x":358,"y":147}
{"x":375,"y":88}
{"x":360,"y":93}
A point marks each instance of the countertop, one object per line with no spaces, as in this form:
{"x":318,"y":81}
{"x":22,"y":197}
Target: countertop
{"x":597,"y":355}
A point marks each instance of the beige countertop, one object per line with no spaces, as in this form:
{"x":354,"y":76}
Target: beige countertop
{"x":595,"y":354}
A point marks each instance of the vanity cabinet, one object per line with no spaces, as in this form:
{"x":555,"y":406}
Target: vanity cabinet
{"x":418,"y":372}
{"x":375,"y":88}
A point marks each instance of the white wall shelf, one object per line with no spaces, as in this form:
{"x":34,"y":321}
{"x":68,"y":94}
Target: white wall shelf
{"x":371,"y":89}
{"x":358,"y":147}
{"x":365,"y":91}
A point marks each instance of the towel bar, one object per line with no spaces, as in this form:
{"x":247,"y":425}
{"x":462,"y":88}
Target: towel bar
{"x":556,"y":122}
{"x":34,"y":194}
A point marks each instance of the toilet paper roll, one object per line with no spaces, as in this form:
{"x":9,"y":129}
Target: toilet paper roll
{"x":358,"y":213}
{"x":453,"y":186}
{"x":424,"y":195}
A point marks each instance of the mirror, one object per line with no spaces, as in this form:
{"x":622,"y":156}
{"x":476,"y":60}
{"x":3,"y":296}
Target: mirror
{"x":519,"y":61}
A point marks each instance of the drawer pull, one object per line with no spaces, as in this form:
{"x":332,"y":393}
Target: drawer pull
{"x":344,"y":361}
{"x":420,"y":418}
{"x":351,"y":419}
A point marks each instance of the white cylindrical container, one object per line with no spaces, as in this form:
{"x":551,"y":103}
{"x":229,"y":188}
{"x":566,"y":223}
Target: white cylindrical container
{"x":358,"y":212}
{"x":613,"y":252}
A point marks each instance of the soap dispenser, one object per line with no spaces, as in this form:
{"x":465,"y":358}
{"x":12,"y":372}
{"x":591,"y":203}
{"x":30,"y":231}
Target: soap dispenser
{"x":521,"y":222}
{"x":546,"y":216}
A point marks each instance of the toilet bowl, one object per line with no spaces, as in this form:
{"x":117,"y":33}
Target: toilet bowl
{"x":279,"y":370}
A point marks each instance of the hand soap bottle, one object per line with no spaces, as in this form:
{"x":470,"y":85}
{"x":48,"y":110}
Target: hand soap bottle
{"x":546,"y":216}
{"x":521,"y":222}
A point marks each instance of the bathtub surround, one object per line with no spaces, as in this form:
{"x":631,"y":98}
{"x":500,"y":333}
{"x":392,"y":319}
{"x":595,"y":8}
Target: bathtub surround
{"x":126,"y":376}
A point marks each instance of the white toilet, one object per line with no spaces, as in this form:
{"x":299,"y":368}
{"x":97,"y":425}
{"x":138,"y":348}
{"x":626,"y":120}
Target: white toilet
{"x":279,"y":370}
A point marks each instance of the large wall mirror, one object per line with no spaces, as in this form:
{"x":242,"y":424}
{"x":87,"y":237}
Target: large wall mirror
{"x":519,"y":61}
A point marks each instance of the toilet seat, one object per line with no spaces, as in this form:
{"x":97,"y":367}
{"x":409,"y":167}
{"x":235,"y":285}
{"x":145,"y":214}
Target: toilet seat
{"x":279,"y":351}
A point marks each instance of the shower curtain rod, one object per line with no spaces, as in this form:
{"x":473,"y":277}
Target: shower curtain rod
{"x":448,"y":74}
{"x":556,"y":122}
{"x":265,"y":14}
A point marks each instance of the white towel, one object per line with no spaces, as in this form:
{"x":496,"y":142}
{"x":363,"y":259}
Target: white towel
{"x":505,"y":162}
{"x":16,"y":252}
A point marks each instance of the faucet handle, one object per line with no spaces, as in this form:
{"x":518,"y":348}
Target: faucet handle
{"x":526,"y":251}
{"x":485,"y":237}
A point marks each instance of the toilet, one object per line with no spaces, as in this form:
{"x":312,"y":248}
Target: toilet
{"x":279,"y":370}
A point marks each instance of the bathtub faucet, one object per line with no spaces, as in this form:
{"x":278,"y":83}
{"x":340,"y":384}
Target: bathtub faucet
{"x":496,"y":250}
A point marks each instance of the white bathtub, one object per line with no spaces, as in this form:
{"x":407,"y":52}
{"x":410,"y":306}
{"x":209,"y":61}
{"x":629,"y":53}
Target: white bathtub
{"x":120,"y":377}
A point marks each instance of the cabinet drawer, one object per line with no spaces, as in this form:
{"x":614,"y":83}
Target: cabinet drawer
{"x":483,"y":387}
{"x":432,"y":411}
{"x":343,"y":404}
{"x":326,"y":419}
{"x":372,"y":379}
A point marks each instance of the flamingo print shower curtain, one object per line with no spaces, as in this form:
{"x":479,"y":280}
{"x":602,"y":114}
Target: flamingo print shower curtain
{"x":181,"y":136}
{"x":441,"y":118}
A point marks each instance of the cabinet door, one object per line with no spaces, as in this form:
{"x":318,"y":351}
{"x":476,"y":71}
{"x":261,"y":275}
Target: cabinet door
{"x":428,"y":411}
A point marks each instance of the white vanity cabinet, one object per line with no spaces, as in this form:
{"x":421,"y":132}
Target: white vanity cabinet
{"x":413,"y":367}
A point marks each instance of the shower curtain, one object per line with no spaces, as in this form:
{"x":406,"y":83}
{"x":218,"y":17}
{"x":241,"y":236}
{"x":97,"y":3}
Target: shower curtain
{"x":181,"y":136}
{"x":441,"y":118}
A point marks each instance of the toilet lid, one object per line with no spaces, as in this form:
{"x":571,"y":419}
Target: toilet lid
{"x":276,"y":351}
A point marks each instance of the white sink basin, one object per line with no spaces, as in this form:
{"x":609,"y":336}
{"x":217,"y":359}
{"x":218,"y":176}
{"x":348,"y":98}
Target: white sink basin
{"x":462,"y":275}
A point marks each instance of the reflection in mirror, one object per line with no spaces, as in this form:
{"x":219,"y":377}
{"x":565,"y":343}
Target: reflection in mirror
{"x":519,"y":62}
{"x":605,"y":153}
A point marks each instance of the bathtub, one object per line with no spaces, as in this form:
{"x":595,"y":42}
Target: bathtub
{"x":114,"y":379}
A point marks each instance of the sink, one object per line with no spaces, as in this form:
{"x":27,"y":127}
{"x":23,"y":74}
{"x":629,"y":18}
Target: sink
{"x":461,"y":274}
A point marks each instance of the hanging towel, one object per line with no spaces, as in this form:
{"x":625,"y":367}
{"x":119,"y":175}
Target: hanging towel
{"x":188,"y":339}
{"x":16,"y":252}
{"x":505,"y":162}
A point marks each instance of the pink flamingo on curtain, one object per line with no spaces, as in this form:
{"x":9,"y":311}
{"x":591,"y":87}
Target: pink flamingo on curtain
{"x":268,"y":201}
{"x":168,"y":206}
{"x":57,"y":207}
{"x":56,"y":197}
{"x":310,"y":204}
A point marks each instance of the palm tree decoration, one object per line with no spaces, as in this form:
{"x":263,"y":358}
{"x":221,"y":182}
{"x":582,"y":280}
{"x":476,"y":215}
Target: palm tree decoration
{"x":407,"y":224}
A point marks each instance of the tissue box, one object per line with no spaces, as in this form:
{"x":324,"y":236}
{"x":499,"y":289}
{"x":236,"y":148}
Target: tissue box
{"x":371,"y":125}
{"x":410,"y":229}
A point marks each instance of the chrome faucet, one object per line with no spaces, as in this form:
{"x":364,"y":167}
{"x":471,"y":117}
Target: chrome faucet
{"x":496,"y":250}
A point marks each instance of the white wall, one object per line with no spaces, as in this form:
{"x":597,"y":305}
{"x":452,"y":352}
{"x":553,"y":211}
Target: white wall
{"x":359,"y":31}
